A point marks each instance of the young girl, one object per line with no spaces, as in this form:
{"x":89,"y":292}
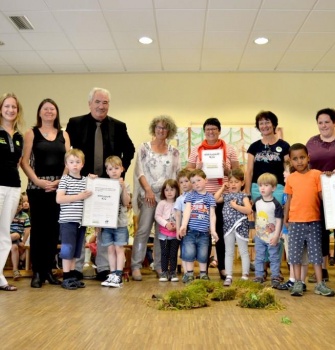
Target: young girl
{"x":165,"y":218}
{"x":235,"y":224}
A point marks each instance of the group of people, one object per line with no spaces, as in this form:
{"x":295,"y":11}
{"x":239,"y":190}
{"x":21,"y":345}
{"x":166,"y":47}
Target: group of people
{"x":183,"y":204}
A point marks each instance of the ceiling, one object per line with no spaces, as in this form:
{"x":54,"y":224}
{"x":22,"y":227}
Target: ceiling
{"x":97,"y":36}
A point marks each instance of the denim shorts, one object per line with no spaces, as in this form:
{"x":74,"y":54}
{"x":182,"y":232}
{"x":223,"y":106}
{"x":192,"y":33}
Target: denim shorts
{"x":114,"y":236}
{"x":195,"y":246}
{"x":72,"y":240}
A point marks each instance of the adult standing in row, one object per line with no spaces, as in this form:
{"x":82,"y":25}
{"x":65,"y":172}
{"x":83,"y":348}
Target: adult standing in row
{"x":266,"y":155}
{"x":156,"y":162}
{"x":212,"y":129}
{"x":43,"y":162}
{"x":321,"y":150}
{"x":11,"y":143}
{"x":100,"y":136}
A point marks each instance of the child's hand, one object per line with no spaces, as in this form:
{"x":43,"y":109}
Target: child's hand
{"x":121,"y":182}
{"x":85,"y":194}
{"x":171,"y":226}
{"x":215,"y":236}
{"x":182,"y":231}
{"x":233,"y":203}
{"x":97,"y":230}
{"x":92,"y":176}
{"x":274,"y":240}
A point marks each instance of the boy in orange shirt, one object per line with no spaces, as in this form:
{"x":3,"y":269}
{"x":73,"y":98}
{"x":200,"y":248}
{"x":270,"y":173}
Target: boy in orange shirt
{"x":302,"y":216}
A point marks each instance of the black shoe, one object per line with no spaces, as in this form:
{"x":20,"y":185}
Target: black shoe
{"x":331,"y":261}
{"x":36,"y":281}
{"x":52,"y":279}
{"x":77,"y":274}
{"x":102,"y":275}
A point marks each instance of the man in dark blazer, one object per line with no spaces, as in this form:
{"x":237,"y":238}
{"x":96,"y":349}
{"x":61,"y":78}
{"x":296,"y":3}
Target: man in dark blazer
{"x":115,"y":141}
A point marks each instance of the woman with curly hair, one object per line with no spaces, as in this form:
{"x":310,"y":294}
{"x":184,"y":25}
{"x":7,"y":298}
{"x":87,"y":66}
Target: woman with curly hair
{"x":156,"y":162}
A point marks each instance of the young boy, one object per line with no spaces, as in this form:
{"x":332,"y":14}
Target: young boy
{"x":70,"y":195}
{"x":116,"y":238}
{"x":185,"y":185}
{"x":288,"y":285}
{"x":269,"y":218}
{"x":302,"y":215}
{"x":19,"y":233}
{"x":198,"y":221}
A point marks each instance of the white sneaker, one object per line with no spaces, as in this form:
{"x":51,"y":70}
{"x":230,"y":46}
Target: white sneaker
{"x":113,"y":280}
{"x":163,"y":277}
{"x":174,"y":277}
{"x":152,"y":266}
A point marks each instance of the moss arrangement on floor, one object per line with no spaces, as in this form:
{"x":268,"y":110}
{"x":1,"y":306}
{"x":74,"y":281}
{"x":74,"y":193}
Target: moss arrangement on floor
{"x":201,"y":293}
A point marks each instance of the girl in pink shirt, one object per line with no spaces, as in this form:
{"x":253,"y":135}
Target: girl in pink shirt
{"x":165,"y":218}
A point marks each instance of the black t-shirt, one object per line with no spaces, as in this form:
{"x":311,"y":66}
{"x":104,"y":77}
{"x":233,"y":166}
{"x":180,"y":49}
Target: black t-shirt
{"x":10,"y":154}
{"x":269,"y":159}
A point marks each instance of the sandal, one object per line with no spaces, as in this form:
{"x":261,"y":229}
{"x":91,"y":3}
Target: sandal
{"x":8,"y":288}
{"x":70,"y":284}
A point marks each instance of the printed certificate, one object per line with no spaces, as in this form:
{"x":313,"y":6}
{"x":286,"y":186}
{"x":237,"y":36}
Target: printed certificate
{"x":102,"y":208}
{"x":212,"y":161}
{"x":328,"y":195}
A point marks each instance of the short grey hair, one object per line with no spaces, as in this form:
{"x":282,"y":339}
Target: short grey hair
{"x":97,"y":89}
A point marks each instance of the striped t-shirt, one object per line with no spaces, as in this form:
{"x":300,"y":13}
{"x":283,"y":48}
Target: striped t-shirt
{"x":71,"y":212}
{"x":200,"y":210}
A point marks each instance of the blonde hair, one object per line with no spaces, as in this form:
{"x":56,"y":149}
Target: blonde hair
{"x":18,"y":122}
{"x":267,"y":179}
{"x":113,"y":160}
{"x":76,"y":153}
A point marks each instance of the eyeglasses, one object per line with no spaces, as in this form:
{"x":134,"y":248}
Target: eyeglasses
{"x":211,"y":129}
{"x":162,"y":128}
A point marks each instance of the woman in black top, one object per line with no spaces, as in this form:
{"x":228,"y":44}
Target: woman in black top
{"x":43,"y":162}
{"x":11,"y":144}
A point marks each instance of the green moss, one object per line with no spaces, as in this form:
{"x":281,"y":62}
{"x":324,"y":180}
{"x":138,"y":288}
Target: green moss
{"x":262,"y":299}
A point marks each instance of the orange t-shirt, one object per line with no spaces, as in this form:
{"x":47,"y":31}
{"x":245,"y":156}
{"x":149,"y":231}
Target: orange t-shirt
{"x":305,"y":202}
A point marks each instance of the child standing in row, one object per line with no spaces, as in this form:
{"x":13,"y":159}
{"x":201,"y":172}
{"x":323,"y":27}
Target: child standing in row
{"x":185,"y":186}
{"x":116,"y":238}
{"x":19,"y":234}
{"x":166,"y":220}
{"x":70,"y":195}
{"x":198,"y":223}
{"x":302,"y":215}
{"x":288,"y":285}
{"x":235,"y":211}
{"x":269,"y":218}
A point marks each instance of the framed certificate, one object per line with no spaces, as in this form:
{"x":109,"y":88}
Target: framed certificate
{"x":102,"y":208}
{"x":212,"y":161}
{"x":328,"y":195}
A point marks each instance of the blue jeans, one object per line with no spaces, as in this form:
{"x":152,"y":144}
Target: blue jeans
{"x":72,"y":238}
{"x":261,"y":249}
{"x":114,"y":236}
{"x":195,"y":246}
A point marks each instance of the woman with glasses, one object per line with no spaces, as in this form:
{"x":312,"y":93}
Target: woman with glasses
{"x":156,"y":162}
{"x":212,"y":129}
{"x":266,"y":155}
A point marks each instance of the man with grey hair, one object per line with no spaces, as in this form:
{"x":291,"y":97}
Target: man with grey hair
{"x":99,"y":136}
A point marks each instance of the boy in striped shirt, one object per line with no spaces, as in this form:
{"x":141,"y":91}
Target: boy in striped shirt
{"x":198,"y":223}
{"x":70,"y":195}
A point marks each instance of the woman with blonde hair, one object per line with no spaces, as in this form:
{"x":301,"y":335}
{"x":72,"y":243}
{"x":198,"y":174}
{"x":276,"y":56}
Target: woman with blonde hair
{"x":11,"y":143}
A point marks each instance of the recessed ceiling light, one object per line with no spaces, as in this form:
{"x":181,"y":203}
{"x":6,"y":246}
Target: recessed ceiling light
{"x":145,"y":40}
{"x":261,"y":41}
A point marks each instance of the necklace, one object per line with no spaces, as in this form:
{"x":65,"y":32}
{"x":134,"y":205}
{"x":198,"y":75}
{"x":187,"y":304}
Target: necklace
{"x":45,"y":134}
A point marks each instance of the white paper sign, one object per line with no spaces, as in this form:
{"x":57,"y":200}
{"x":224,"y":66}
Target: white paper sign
{"x":212,"y":161}
{"x":102,"y":208}
{"x":328,"y":196}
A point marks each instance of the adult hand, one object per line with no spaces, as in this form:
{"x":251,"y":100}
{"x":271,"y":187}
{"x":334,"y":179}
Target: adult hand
{"x":150,"y":198}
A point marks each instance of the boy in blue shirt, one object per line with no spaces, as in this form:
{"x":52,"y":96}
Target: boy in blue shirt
{"x":198,"y":223}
